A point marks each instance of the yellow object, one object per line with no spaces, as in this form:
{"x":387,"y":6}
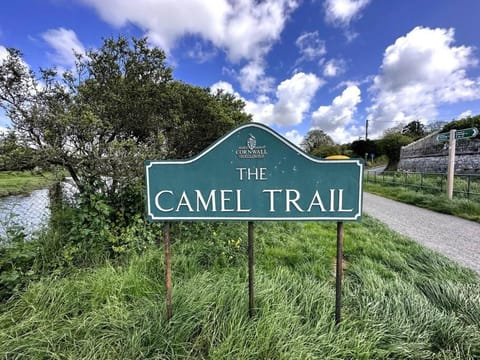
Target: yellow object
{"x":337,"y":157}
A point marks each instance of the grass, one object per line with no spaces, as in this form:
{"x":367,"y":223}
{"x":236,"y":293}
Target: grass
{"x":23,"y":182}
{"x":401,"y":301}
{"x":463,"y":208}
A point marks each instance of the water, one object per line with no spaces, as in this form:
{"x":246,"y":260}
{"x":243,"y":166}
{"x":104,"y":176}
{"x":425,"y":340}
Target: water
{"x":32,"y":211}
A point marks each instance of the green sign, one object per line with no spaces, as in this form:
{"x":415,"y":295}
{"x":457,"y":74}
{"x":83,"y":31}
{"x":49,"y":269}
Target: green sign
{"x":459,"y":134}
{"x":253,"y":173}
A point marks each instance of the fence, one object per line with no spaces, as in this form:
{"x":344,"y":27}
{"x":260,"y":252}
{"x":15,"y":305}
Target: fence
{"x":31,"y":212}
{"x":465,"y":185}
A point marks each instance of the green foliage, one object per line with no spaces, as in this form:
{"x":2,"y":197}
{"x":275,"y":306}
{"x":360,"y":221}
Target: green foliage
{"x":15,"y":156}
{"x":414,"y":129}
{"x":116,"y":108}
{"x":381,"y":160}
{"x":390,"y":146}
{"x":199,"y":118}
{"x":98,"y":230}
{"x":314,"y":139}
{"x":17,"y":257}
{"x":400,"y":301}
{"x":327,"y":150}
{"x":468,"y":122}
{"x":93,"y":231}
{"x":361,"y":147}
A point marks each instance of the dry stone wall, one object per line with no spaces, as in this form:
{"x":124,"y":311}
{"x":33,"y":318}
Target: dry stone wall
{"x":427,"y":155}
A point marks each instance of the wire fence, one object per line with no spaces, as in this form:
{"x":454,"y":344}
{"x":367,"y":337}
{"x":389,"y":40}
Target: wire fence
{"x":465,"y":186}
{"x":31,"y":212}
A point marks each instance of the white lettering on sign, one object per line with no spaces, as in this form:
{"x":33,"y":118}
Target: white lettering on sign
{"x":157,"y":200}
{"x":289,"y":200}
{"x":229,"y":201}
{"x":252,"y":173}
{"x":206,"y":204}
{"x":225,"y":201}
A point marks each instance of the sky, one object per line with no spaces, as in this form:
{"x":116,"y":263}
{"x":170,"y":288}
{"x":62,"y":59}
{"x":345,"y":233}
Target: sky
{"x":298,"y":65}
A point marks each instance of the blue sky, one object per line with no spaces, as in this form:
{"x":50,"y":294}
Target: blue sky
{"x":298,"y":65}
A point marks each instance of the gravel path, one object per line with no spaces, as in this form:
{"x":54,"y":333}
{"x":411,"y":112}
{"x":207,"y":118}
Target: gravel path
{"x":453,"y":237}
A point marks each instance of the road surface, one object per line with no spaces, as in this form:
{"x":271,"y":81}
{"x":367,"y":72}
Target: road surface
{"x":456,"y":238}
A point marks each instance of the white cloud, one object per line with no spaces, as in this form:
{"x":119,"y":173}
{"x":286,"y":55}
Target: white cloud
{"x":225,"y":86}
{"x":202,"y":52}
{"x":342,"y":12}
{"x":311,"y":46}
{"x":261,"y":110}
{"x":294,"y":96}
{"x":252,"y":77}
{"x":335,"y":118}
{"x":245,"y":29}
{"x":294,"y":136}
{"x":421,"y":71}
{"x":333,"y":67}
{"x":3,"y":53}
{"x":465,"y":114}
{"x":65,"y":44}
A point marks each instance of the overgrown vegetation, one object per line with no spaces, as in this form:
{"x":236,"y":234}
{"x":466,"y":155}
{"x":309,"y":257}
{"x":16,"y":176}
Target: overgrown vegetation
{"x":23,"y":182}
{"x":400,"y":300}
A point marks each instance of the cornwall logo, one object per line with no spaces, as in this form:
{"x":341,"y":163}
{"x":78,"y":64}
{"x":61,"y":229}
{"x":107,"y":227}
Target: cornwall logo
{"x":251,"y":151}
{"x":251,"y":142}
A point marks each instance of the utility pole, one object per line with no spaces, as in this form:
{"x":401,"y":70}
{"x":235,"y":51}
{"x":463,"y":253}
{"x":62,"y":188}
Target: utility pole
{"x":366,"y":130}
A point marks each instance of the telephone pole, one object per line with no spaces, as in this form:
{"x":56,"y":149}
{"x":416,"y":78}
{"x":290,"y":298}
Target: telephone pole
{"x":366,"y":130}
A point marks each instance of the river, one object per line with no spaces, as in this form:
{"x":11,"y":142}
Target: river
{"x":31,"y":212}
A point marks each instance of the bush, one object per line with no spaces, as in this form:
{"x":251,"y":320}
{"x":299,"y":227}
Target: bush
{"x":17,"y":258}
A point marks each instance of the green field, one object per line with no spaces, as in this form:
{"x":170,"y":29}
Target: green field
{"x":23,"y":182}
{"x":401,"y":301}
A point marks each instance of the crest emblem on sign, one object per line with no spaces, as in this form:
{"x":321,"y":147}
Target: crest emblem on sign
{"x":251,"y":150}
{"x":251,"y":142}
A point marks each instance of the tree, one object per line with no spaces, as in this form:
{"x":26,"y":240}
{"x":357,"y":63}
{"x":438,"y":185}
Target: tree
{"x":414,"y":129}
{"x":362,"y":147}
{"x":15,"y":156}
{"x":315,"y":139}
{"x":118,"y":107}
{"x":390,"y":145}
{"x":467,"y":122}
{"x":199,"y":118}
{"x":435,"y":126}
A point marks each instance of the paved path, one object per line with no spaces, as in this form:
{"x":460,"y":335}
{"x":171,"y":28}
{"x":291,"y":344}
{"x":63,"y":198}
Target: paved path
{"x":453,"y":237}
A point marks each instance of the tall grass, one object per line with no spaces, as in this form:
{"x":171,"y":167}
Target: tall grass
{"x":400,"y":301}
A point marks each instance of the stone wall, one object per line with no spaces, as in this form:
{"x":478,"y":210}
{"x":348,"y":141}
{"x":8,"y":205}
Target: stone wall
{"x":427,"y":155}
